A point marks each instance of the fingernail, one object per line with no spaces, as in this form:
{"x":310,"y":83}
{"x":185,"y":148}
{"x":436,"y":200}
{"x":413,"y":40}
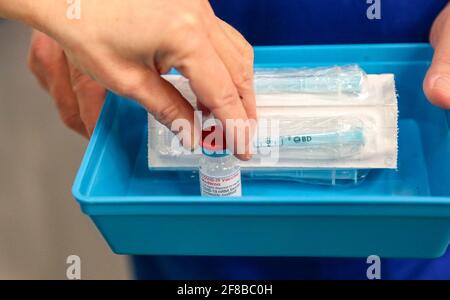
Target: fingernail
{"x":245,"y":157}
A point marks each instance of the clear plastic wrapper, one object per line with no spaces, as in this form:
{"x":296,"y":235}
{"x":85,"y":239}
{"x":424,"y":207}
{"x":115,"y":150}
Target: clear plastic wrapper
{"x":305,"y":137}
{"x":325,"y":177}
{"x":316,"y":138}
{"x":335,"y":177}
{"x":336,"y":118}
{"x":350,"y":80}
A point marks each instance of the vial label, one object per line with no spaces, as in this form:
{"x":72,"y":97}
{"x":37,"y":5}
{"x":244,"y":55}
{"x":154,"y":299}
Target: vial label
{"x":225,"y":186}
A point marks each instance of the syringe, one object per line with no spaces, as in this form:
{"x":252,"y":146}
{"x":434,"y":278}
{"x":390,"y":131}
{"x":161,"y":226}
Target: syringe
{"x":348,"y":80}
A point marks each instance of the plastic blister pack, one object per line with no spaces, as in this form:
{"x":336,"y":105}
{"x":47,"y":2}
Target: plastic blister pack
{"x":325,"y":119}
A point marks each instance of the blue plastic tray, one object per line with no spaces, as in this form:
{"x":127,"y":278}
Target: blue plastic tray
{"x":404,"y":213}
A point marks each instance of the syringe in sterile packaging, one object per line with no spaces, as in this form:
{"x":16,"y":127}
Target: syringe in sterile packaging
{"x":322,"y":146}
{"x":334,"y":177}
{"x":349,"y":80}
{"x":351,"y":136}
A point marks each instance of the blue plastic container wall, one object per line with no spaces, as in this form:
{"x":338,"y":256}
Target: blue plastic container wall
{"x":404,"y":213}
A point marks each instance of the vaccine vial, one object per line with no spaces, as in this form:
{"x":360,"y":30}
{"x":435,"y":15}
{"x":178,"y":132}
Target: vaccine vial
{"x":220,"y":174}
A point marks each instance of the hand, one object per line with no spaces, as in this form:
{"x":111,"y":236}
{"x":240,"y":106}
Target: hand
{"x":437,"y":81}
{"x":79,"y":99}
{"x":126,"y":45}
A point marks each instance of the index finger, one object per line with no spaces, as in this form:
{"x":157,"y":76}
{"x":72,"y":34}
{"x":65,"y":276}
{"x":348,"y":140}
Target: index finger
{"x":213,"y":86}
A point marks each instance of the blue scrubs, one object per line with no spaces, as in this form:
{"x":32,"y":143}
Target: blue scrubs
{"x":295,"y":22}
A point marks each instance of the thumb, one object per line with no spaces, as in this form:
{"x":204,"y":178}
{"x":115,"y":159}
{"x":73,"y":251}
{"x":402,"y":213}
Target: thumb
{"x":437,"y":81}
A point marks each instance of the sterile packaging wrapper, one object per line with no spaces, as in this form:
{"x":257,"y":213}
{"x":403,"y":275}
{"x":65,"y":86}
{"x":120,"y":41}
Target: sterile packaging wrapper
{"x":349,"y":80}
{"x":325,"y":119}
